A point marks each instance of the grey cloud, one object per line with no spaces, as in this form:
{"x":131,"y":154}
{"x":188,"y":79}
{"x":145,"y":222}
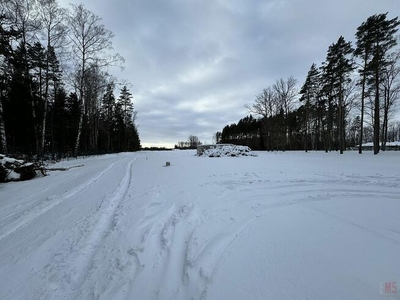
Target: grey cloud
{"x":194,"y":64}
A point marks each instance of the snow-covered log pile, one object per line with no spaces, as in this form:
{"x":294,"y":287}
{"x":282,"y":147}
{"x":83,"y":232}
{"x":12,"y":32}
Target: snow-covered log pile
{"x":12,"y":169}
{"x":228,"y":150}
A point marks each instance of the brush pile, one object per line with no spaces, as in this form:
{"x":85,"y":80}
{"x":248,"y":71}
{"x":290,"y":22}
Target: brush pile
{"x":12,"y":169}
{"x":228,"y":150}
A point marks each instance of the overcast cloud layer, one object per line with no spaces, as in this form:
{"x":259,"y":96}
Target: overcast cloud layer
{"x":194,"y":64}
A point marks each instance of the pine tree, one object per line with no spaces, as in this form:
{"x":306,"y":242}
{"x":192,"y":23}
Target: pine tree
{"x":375,"y":38}
{"x":363,"y":50}
{"x":6,"y":34}
{"x":128,"y":115}
{"x":59,"y":118}
{"x":107,"y":115}
{"x":339,"y":66}
{"x":125,"y":100}
{"x":390,"y":86}
{"x":19,"y":119}
{"x":309,"y":92}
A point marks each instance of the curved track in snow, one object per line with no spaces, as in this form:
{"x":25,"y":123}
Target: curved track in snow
{"x":51,"y":201}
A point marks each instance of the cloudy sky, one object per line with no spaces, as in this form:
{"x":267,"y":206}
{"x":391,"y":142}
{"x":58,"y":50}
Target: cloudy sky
{"x":194,"y":64}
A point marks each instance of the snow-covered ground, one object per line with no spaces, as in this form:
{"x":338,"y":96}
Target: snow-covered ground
{"x":287,"y":225}
{"x":388,"y":144}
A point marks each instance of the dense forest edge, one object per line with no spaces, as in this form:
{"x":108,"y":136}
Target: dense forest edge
{"x":349,"y":100}
{"x":57,"y":97}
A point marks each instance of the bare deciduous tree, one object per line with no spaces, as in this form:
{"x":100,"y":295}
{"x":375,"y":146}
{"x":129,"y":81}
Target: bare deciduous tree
{"x":52,"y":18}
{"x":286,"y":93}
{"x":390,"y":87}
{"x":193,"y":141}
{"x":265,"y":105}
{"x":91,"y":45}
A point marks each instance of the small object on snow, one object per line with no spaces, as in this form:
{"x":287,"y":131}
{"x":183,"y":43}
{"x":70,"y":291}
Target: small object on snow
{"x":167,"y":164}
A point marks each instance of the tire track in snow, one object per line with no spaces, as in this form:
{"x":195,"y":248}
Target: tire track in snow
{"x":288,"y":194}
{"x":13,"y":210}
{"x":49,"y":203}
{"x":84,"y":263}
{"x":164,"y":238}
{"x":208,"y":278}
{"x":353,"y":224}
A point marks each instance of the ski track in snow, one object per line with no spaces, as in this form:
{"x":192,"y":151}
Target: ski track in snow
{"x":104,"y":225}
{"x":6,"y":218}
{"x":77,"y":264}
{"x":49,"y":203}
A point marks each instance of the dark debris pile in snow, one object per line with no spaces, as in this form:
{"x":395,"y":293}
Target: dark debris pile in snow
{"x":12,"y":169}
{"x":228,"y":150}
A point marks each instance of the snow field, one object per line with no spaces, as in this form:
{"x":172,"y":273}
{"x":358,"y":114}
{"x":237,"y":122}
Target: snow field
{"x":278,"y":226}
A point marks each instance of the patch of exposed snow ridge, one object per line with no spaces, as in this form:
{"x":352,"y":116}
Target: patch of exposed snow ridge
{"x":228,"y":150}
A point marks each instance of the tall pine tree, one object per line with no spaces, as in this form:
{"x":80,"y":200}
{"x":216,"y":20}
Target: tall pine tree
{"x":309,"y":92}
{"x":375,"y":37}
{"x":339,"y":66}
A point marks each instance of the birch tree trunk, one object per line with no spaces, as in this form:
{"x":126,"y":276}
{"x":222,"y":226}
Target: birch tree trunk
{"x":91,"y":42}
{"x":3,"y":138}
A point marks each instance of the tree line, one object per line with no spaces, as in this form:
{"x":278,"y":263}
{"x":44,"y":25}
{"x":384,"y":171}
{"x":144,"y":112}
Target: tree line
{"x":348,"y":100}
{"x":56,"y":95}
{"x":191,"y":143}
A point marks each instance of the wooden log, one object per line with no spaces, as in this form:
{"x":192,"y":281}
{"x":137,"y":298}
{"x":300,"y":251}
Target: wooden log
{"x":26,"y":171}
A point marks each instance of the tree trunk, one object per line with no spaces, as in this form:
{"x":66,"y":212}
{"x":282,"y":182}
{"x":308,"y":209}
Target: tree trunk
{"x":306,"y":131}
{"x":80,"y":122}
{"x":28,"y":79}
{"x":330,"y":125}
{"x":376,"y":117}
{"x":3,"y":138}
{"x":317,"y":129}
{"x":81,"y":103}
{"x":46,"y":96}
{"x":341,"y":119}
{"x":361,"y":138}
{"x":78,"y":136}
{"x":385,"y":124}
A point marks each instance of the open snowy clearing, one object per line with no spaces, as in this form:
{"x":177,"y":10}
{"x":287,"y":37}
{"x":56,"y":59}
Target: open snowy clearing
{"x":278,"y":226}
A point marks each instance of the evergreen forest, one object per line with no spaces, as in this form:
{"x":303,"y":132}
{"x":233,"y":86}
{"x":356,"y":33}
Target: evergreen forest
{"x":57,"y":97}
